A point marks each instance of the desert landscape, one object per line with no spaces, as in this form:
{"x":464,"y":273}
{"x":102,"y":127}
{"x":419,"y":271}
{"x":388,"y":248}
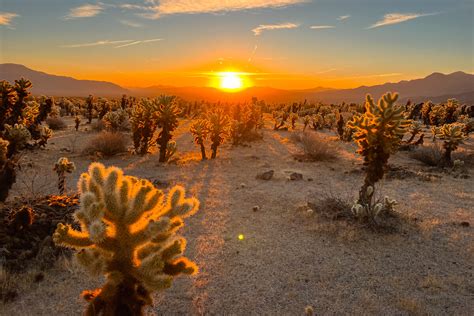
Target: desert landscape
{"x":237,"y":194}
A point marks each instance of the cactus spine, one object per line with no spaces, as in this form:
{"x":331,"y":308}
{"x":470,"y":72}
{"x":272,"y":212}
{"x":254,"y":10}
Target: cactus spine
{"x":63,"y":166}
{"x":377,"y":132}
{"x":128,"y":233}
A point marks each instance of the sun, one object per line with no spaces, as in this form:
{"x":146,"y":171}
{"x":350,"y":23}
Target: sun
{"x":230,"y":81}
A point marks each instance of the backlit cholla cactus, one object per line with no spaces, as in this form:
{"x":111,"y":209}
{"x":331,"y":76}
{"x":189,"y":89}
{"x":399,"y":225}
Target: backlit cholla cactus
{"x":200,"y":131}
{"x":453,"y":136}
{"x":306,"y":121}
{"x":219,"y":126}
{"x":3,"y":151}
{"x":143,"y":125}
{"x":90,"y":108}
{"x":437,"y":115}
{"x":414,"y":129}
{"x":77,"y":122}
{"x":377,"y":132}
{"x":280,"y":118}
{"x":18,"y":136}
{"x":63,"y":166}
{"x":45,"y":133}
{"x":340,"y":124}
{"x":129,"y":234}
{"x":167,"y":118}
{"x":293,"y":118}
{"x":171,"y":149}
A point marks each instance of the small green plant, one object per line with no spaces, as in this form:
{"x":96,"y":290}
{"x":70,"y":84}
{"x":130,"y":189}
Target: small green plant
{"x":452,"y":135}
{"x":219,"y":125}
{"x":63,"y":166}
{"x":200,"y":131}
{"x":377,"y":132}
{"x":167,"y":118}
{"x":129,"y":234}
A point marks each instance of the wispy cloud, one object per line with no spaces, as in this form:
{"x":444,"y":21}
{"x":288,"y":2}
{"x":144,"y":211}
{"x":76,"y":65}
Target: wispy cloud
{"x":343,"y":17}
{"x":98,"y":43}
{"x":131,"y":23}
{"x":120,"y":43}
{"x":84,"y":11}
{"x":268,"y":27}
{"x":395,"y":18}
{"x":321,"y":27}
{"x":7,"y":17}
{"x":129,"y":6}
{"x":140,"y":42}
{"x":167,"y":7}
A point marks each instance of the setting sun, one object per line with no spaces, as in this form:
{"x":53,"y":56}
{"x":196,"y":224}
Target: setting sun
{"x":230,"y":81}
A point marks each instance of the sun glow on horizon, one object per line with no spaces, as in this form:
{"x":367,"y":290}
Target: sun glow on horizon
{"x":230,"y":81}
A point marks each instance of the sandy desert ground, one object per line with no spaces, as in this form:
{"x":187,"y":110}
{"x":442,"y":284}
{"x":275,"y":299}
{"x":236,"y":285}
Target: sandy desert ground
{"x":288,"y":259}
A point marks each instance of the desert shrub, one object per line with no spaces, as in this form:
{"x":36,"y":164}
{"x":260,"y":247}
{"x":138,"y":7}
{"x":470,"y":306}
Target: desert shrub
{"x":56,"y":123}
{"x":98,"y":126}
{"x":129,"y":234}
{"x":429,"y":155}
{"x":377,"y":133}
{"x":315,"y":147}
{"x":107,"y":144}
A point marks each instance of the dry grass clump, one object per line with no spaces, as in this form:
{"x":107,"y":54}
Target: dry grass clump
{"x":56,"y":123}
{"x":332,"y":207}
{"x":8,"y":291}
{"x":106,"y":143}
{"x":98,"y":126}
{"x":429,"y":155}
{"x":315,"y":147}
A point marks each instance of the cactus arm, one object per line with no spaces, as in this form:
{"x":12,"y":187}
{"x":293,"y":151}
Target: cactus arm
{"x":67,"y":236}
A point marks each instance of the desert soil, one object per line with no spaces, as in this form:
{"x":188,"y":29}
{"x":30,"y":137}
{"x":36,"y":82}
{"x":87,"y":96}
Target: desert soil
{"x":288,"y":258}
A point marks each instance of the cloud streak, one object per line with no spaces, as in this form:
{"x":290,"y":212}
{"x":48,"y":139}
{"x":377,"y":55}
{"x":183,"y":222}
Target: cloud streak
{"x":395,"y":18}
{"x":140,"y":42}
{"x":131,"y":23}
{"x":321,"y":27}
{"x":6,"y":18}
{"x":84,"y":11}
{"x":269,"y":27}
{"x":168,"y":7}
{"x":120,"y":43}
{"x":343,"y":17}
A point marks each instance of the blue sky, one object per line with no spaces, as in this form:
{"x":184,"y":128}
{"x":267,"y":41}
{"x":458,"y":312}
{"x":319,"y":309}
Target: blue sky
{"x":282,"y":43}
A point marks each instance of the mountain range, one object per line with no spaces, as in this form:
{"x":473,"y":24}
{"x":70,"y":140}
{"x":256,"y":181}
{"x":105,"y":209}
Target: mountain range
{"x":436,"y":87}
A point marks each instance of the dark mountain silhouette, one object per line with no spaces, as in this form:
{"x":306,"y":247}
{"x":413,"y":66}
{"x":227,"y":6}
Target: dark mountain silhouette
{"x":52,"y":85}
{"x":436,"y":87}
{"x":431,"y":87}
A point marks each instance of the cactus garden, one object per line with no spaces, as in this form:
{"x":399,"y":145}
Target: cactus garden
{"x":237,"y":157}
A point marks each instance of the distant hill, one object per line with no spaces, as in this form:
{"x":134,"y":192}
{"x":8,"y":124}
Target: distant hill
{"x":214,"y":95}
{"x":52,"y":85}
{"x":436,"y":87}
{"x":431,"y":87}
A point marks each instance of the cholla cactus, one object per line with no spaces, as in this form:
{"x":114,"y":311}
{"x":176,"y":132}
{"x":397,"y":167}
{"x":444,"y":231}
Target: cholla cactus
{"x":414,"y":129}
{"x":450,"y":111}
{"x":219,"y":125}
{"x":306,"y":121}
{"x":90,"y":108}
{"x":280,"y":118}
{"x":340,"y":124}
{"x":115,"y":120}
{"x":63,"y":166}
{"x":317,"y":121}
{"x":437,"y":115}
{"x":377,"y":132}
{"x":468,"y":124}
{"x":18,"y":136}
{"x":77,"y":122}
{"x":293,"y":118}
{"x":3,"y":151}
{"x":167,"y":118}
{"x":372,"y":208}
{"x":128,"y":233}
{"x":45,"y":133}
{"x":171,"y":149}
{"x":200,"y":131}
{"x":143,"y":125}
{"x":425,"y":112}
{"x":452,"y":135}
